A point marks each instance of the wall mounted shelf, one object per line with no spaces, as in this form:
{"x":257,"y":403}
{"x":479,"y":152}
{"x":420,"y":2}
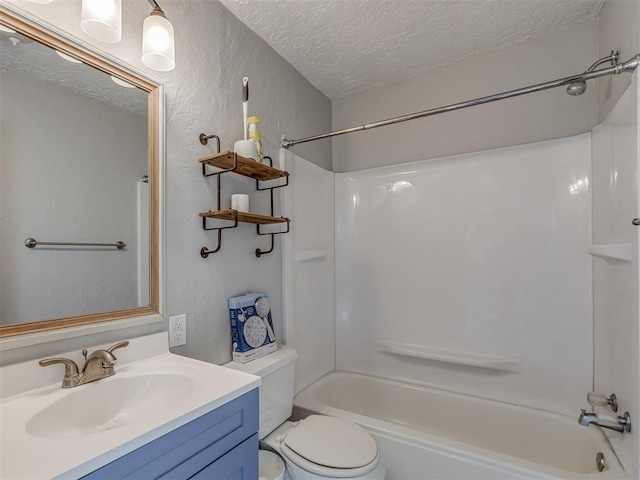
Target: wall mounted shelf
{"x":243,"y":217}
{"x":226,"y":162}
{"x":229,"y":161}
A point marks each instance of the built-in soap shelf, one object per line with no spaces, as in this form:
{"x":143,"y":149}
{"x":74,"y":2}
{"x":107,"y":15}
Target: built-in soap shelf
{"x":479,"y":360}
{"x":309,"y":255}
{"x":616,"y":251}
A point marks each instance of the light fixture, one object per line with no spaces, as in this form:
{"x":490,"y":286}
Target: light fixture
{"x":102,"y":20}
{"x":158,"y":51}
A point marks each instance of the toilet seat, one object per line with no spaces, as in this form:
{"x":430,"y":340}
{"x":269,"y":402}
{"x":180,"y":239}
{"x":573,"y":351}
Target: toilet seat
{"x":331,"y":447}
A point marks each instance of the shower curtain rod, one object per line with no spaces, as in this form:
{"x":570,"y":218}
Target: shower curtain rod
{"x":628,"y":66}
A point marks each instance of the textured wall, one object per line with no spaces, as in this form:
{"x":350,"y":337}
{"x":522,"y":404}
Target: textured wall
{"x":52,"y":192}
{"x":535,"y":117}
{"x":618,"y":29}
{"x":203,"y":94}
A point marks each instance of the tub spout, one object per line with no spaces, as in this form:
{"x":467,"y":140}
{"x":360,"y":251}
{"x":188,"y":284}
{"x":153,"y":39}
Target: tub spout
{"x":624,"y":422}
{"x":586,"y":419}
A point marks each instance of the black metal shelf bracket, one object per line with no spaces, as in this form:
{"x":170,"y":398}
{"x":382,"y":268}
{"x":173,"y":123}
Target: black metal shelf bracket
{"x":204,"y":251}
{"x":260,"y":252}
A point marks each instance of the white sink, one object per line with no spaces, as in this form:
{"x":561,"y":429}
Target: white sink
{"x":51,"y":432}
{"x":110,"y":403}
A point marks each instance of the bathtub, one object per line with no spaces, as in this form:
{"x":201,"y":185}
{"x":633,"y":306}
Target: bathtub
{"x":425,"y":433}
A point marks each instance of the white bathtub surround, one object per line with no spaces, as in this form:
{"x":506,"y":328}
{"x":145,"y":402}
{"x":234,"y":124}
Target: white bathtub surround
{"x":308,"y":267}
{"x":430,"y":433}
{"x":615,"y":202}
{"x":482,"y":254}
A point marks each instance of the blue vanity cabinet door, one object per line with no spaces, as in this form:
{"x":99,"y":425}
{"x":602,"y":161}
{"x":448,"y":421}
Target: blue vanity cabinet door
{"x":189,"y":449}
{"x":241,"y":463}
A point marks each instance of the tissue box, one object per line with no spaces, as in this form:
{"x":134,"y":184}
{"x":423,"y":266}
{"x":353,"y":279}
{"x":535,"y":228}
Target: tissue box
{"x":251,"y":327}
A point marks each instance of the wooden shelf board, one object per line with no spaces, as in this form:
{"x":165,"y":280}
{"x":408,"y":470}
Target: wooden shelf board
{"x":246,"y":167}
{"x":244,"y":217}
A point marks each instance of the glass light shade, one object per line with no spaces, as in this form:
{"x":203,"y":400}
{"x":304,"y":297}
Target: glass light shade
{"x":102,"y":19}
{"x":122,"y":83}
{"x":158,"y":50}
{"x":68,"y":58}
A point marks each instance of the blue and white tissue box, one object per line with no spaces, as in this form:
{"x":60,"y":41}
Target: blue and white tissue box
{"x":251,"y":334}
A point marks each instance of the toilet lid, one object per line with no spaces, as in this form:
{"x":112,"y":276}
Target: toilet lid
{"x":332,"y":442}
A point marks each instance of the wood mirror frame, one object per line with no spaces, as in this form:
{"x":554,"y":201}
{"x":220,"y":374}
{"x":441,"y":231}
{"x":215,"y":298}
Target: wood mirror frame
{"x":65,"y":46}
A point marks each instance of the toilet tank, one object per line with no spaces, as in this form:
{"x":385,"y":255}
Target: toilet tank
{"x":277,"y":371}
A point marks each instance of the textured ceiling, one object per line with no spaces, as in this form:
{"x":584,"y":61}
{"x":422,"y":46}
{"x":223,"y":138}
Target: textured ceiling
{"x":41,"y":62}
{"x":346,"y":46}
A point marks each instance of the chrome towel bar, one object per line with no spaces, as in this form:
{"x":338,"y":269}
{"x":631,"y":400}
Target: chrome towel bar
{"x":32,"y":243}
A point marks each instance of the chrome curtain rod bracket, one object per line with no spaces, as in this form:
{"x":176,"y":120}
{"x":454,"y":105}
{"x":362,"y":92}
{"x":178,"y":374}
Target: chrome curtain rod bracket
{"x":617,"y":69}
{"x":32,"y":243}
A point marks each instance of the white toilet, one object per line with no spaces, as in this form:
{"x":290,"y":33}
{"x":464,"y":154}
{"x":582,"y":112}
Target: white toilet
{"x":318,"y":447}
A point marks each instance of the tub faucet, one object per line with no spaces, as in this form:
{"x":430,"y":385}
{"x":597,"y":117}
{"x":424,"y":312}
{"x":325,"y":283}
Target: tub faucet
{"x":624,"y":422}
{"x":98,"y":365}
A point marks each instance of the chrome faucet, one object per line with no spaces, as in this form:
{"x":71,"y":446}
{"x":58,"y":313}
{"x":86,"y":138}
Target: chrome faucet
{"x":624,"y":422}
{"x":98,"y":365}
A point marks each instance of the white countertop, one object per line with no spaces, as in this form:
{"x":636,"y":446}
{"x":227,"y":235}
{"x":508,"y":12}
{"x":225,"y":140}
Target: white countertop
{"x":25,"y":455}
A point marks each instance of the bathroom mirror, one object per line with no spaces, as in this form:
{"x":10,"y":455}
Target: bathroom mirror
{"x":79,"y":185}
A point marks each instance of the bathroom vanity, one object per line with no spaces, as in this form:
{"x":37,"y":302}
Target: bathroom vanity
{"x":220,"y":444}
{"x":161,"y":415}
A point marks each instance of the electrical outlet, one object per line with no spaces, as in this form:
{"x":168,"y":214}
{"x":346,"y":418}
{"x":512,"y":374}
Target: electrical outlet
{"x":177,"y":330}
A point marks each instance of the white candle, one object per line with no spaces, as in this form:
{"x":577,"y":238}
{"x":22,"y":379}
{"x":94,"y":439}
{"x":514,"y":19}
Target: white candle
{"x":240,"y":202}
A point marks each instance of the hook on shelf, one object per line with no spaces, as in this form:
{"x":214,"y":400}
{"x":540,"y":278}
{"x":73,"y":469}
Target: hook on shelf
{"x":204,"y":251}
{"x":204,"y":139}
{"x":260,"y":252}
